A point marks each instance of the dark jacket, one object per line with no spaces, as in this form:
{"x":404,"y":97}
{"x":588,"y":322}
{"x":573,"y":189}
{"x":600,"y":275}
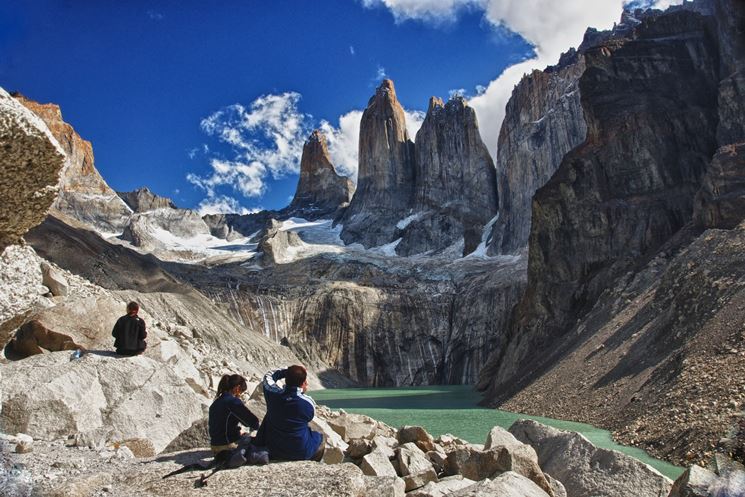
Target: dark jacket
{"x":284,"y":430}
{"x":226,"y":413}
{"x":129,"y":335}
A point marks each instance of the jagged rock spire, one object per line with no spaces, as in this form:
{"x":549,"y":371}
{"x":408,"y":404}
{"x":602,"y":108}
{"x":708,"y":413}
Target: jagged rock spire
{"x":320,"y":190}
{"x":386,"y":171}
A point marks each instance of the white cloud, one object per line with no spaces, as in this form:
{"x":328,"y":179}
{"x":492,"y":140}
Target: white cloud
{"x":380,"y":75}
{"x":154,"y":15}
{"x":223,"y":205}
{"x":351,"y":50}
{"x":551,"y":27}
{"x":265,"y":139}
{"x":414,"y":119}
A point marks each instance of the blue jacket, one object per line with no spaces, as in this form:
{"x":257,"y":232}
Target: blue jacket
{"x":284,"y":430}
{"x":226,"y":412}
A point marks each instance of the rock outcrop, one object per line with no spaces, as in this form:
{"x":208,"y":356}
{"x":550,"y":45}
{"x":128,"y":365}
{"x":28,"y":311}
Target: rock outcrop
{"x":84,"y":195}
{"x":455,"y":181}
{"x":385,"y":183}
{"x":113,"y":398}
{"x":626,"y":190}
{"x":543,"y":121}
{"x":380,"y":324}
{"x":628,"y":302}
{"x":142,"y":200}
{"x":29,"y":170}
{"x":586,"y":470}
{"x":320,"y":191}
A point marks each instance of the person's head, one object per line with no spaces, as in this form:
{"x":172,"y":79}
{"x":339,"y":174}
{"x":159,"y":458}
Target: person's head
{"x":297,"y":377}
{"x":234,"y":384}
{"x":133,"y":308}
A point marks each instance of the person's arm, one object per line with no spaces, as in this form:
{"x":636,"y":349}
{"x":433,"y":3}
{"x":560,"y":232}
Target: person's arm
{"x":142,"y":333}
{"x":244,"y":415}
{"x":309,"y":409}
{"x":271,"y":378}
{"x":115,"y":331}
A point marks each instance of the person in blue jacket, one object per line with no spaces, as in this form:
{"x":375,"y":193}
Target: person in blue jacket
{"x":284,"y":430}
{"x":227,"y":413}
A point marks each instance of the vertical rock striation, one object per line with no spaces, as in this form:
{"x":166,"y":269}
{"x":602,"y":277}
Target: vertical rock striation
{"x":455,"y":192}
{"x":385,"y":183}
{"x":650,"y":102}
{"x":84,"y":195}
{"x":543,"y":121}
{"x":320,"y":191}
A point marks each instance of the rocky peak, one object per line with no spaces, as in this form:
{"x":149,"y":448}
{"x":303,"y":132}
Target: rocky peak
{"x":143,"y":199}
{"x":320,"y":190}
{"x":386,"y":171}
{"x":455,"y":180}
{"x":543,"y":121}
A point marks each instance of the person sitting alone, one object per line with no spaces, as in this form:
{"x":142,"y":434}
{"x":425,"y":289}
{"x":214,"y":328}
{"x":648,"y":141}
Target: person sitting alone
{"x":129,"y":332}
{"x":285,"y":431}
{"x":227,"y":413}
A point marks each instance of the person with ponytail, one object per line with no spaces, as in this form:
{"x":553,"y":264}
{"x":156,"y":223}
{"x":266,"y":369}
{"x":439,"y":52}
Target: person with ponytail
{"x":228,"y":412}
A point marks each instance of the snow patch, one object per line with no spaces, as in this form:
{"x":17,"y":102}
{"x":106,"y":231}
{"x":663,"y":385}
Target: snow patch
{"x":389,"y":249}
{"x":402,"y":224}
{"x":481,"y":250}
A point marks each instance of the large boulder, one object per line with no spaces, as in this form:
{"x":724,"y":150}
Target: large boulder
{"x":586,"y":470}
{"x":416,"y":469}
{"x":30,"y":167}
{"x":694,"y":482}
{"x":50,"y":396}
{"x":505,"y":485}
{"x":376,"y":463}
{"x":446,"y":486}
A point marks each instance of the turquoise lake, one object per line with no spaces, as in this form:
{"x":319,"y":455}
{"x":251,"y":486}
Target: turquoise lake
{"x":455,"y":410}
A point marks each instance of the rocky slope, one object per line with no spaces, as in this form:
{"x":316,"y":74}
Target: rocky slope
{"x":320,"y":190}
{"x":386,"y":175}
{"x":84,"y":195}
{"x":613,"y":289}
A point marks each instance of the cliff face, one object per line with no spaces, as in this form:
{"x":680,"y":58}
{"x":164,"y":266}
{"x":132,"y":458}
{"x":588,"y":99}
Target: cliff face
{"x":382,"y":323}
{"x":385,"y":181}
{"x":543,"y":121}
{"x":84,"y":195}
{"x":629,"y":305}
{"x":30,"y":167}
{"x":320,"y":191}
{"x":455,"y":192}
{"x":650,"y":106}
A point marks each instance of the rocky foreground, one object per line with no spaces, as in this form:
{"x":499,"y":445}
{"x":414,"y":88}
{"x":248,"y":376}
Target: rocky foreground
{"x":363,"y":458}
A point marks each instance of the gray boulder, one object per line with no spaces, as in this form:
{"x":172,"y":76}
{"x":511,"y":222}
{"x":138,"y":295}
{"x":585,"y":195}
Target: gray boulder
{"x":505,"y":485}
{"x":415,"y":468}
{"x":694,"y":482}
{"x":588,"y":471}
{"x":53,"y":279}
{"x":445,"y":487}
{"x":123,"y":397}
{"x":376,"y":463}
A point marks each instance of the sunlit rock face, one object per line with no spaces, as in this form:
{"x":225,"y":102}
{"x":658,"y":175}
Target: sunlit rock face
{"x":385,"y":183}
{"x":320,"y":191}
{"x":83,"y":194}
{"x":30,"y":166}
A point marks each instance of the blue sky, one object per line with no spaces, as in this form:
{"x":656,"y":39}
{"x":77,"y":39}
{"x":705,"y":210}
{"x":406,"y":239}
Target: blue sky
{"x":151,"y":84}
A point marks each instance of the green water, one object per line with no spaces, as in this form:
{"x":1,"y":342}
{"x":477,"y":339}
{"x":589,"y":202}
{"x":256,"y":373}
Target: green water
{"x":454,"y":409}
